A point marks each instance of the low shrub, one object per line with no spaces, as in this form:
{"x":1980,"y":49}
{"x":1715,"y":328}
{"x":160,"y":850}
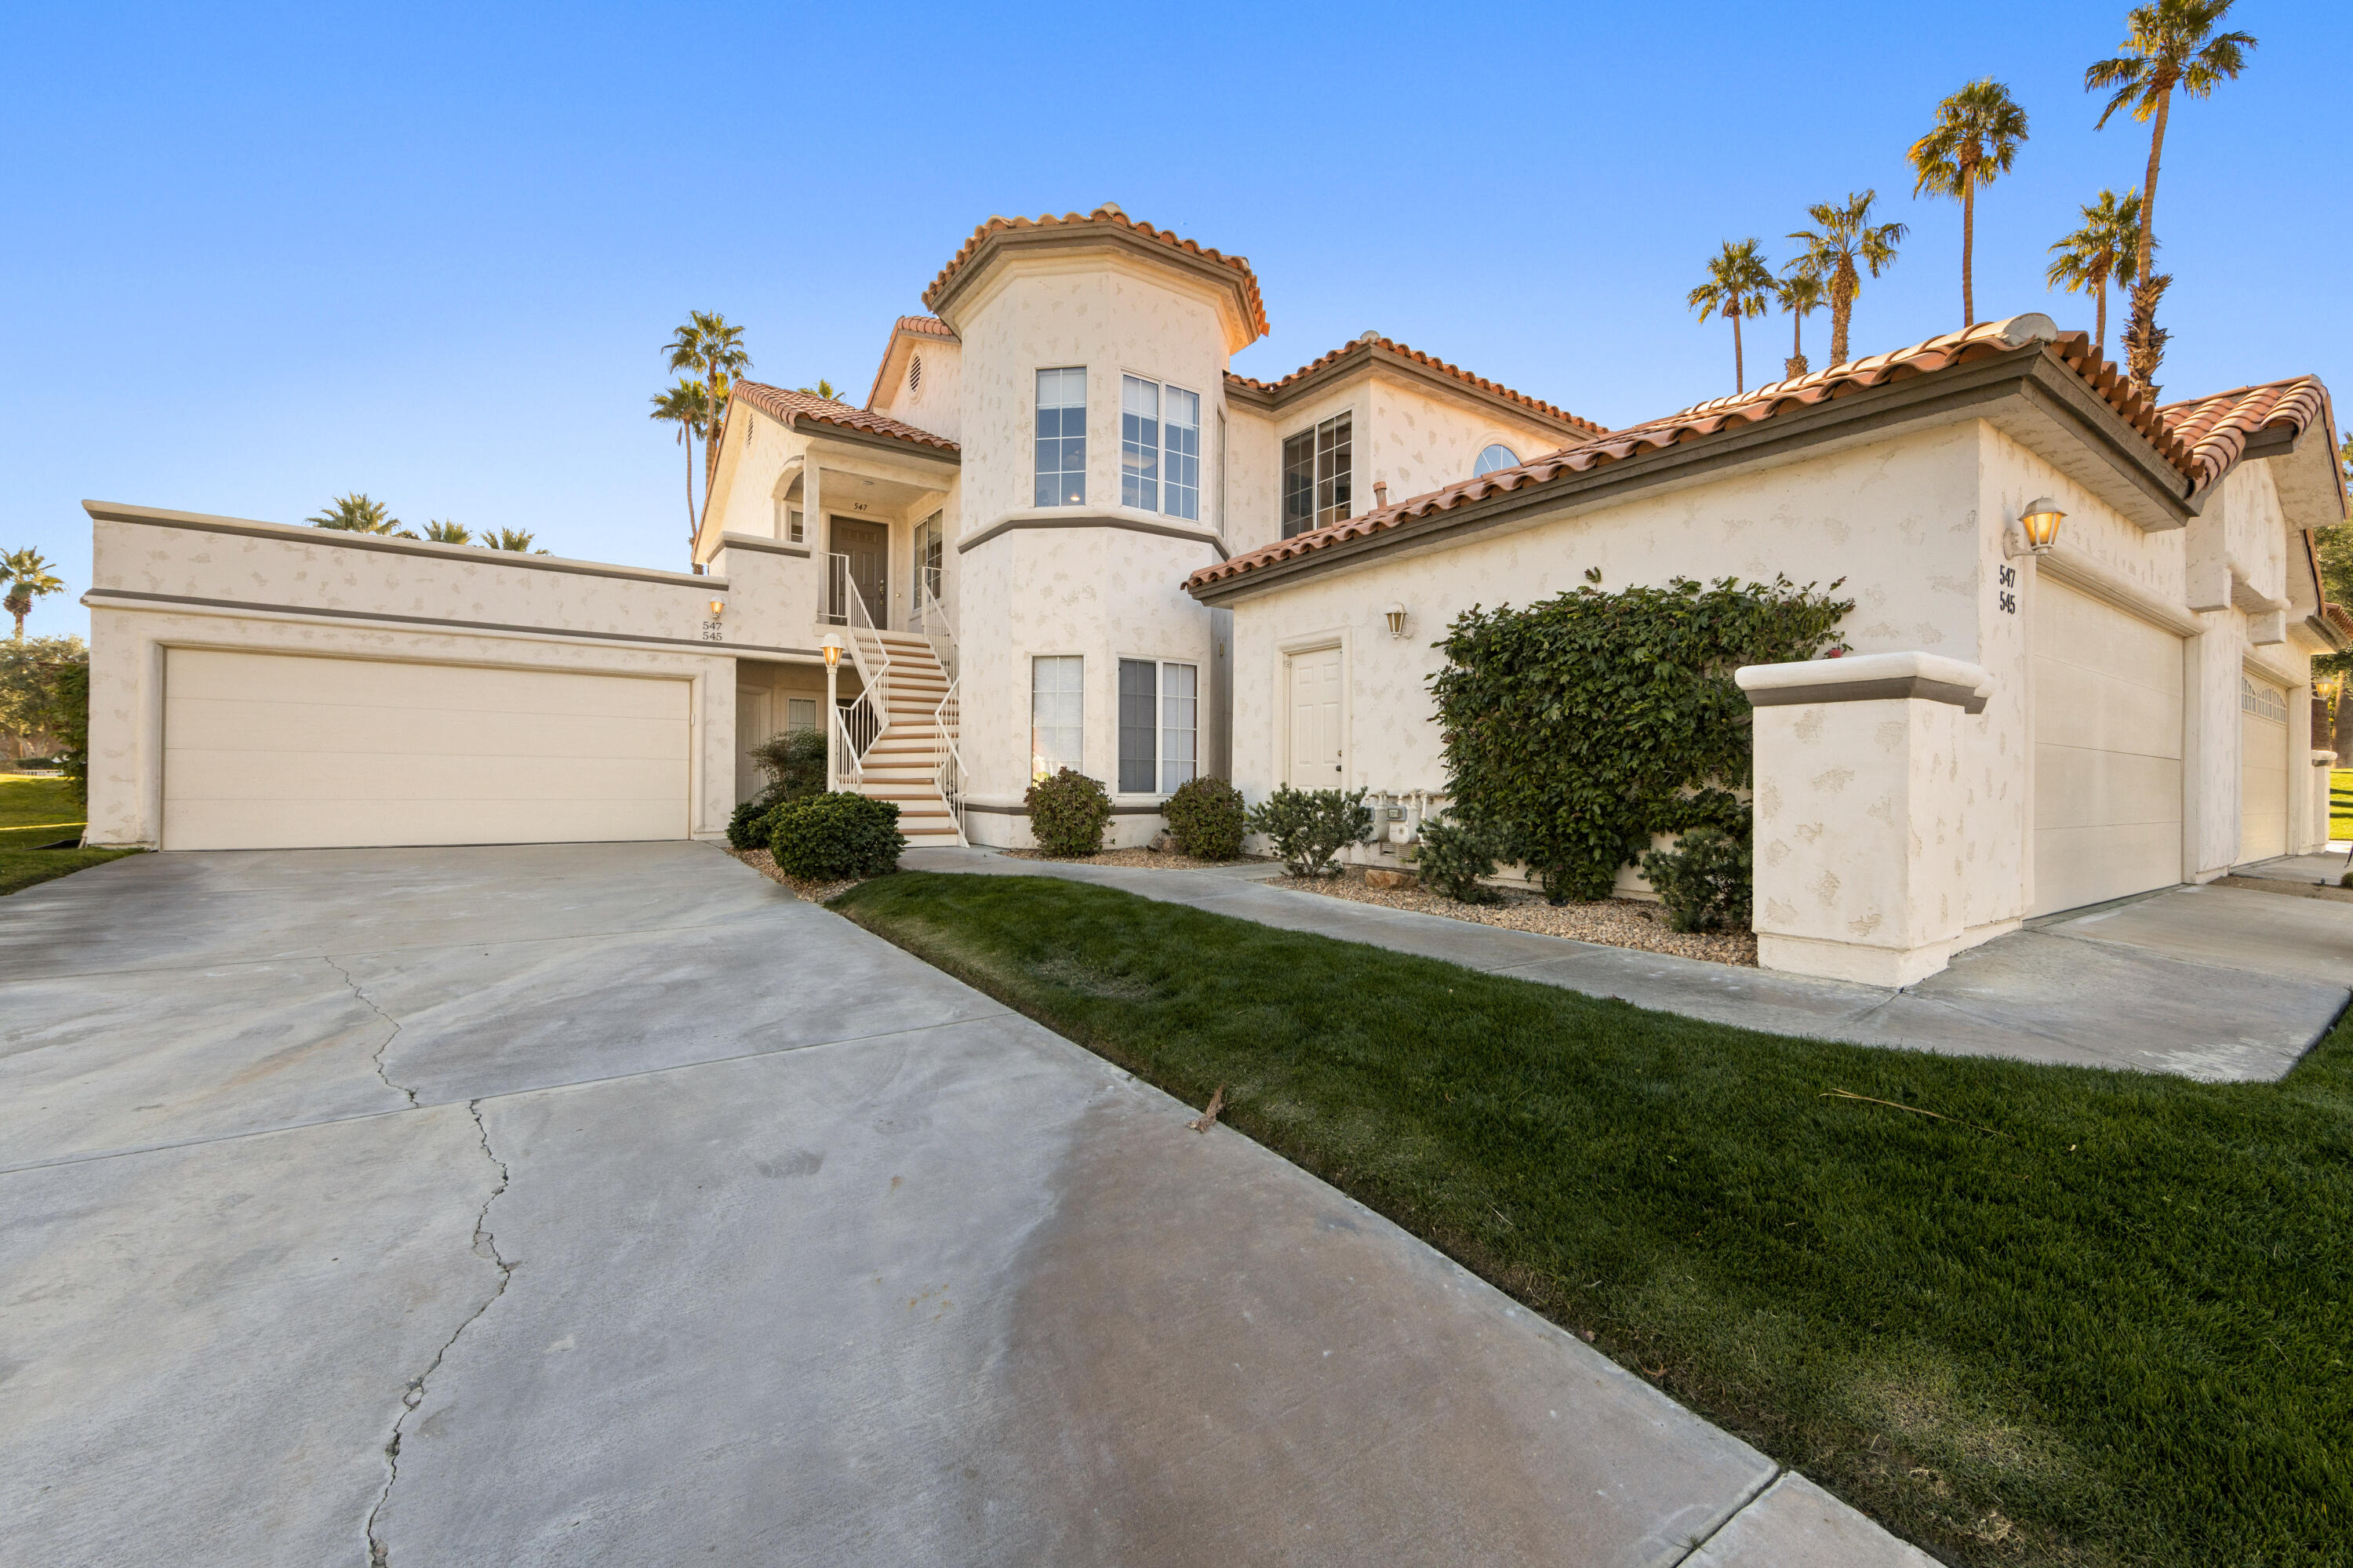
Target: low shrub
{"x":1206,"y":817}
{"x":794,"y":764}
{"x":1703,"y":881}
{"x":1311,"y":826}
{"x":834,"y":835}
{"x":1067,"y":813}
{"x":745,"y":828}
{"x":1451,"y":859}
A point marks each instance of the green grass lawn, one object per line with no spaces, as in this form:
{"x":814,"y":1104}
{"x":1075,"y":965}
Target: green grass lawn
{"x":2340,"y":803}
{"x":2093,"y":1318}
{"x":35,"y":811}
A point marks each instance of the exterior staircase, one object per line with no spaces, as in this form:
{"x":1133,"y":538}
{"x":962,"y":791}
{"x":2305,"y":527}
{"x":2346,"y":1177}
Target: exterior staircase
{"x":902,"y":765}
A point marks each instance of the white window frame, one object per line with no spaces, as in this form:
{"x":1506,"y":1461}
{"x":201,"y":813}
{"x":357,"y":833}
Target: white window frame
{"x":1493,"y":445}
{"x":1153,"y":490}
{"x":1161,"y":789}
{"x":1324,"y":505}
{"x":1063,"y":492}
{"x":793,"y":713}
{"x":1076,"y":760}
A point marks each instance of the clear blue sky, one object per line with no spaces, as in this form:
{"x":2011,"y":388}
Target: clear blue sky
{"x":258,"y":256}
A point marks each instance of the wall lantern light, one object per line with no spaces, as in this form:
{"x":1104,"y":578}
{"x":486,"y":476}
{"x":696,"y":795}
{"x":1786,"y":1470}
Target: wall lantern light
{"x":718,"y":607}
{"x":1395,"y":615}
{"x":832,"y":646}
{"x":2037,"y":529}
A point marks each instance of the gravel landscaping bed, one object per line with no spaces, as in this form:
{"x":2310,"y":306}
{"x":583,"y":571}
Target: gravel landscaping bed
{"x":1150,"y":860}
{"x":1613,"y":922}
{"x":815,"y":891}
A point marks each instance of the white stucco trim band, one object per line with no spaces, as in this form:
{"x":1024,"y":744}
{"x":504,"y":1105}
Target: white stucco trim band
{"x":1072,"y":517}
{"x":1867,"y":678}
{"x":2085,"y":575}
{"x":131,"y":599}
{"x":729,"y":540}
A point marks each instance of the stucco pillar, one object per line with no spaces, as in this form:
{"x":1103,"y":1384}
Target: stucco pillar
{"x":1860,"y":800}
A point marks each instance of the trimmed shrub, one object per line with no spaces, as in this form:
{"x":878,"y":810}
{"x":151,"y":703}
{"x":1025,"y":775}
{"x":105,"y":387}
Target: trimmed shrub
{"x":1310,"y":827}
{"x":1206,"y":817}
{"x":1067,"y":813}
{"x":834,"y":835}
{"x":1454,"y":856}
{"x":1703,"y":881}
{"x":794,"y":764}
{"x":70,"y":718}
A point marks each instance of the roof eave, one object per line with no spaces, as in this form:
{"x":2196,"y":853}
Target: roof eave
{"x":943,"y":297}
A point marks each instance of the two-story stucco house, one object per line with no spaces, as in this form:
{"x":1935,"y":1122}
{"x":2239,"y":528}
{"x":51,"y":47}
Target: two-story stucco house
{"x":1062,"y":532}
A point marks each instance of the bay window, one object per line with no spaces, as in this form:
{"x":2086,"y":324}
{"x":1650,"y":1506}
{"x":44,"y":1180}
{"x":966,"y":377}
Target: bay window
{"x":1159,"y":725}
{"x":1062,"y":440}
{"x":1159,"y":447}
{"x":1057,"y":714}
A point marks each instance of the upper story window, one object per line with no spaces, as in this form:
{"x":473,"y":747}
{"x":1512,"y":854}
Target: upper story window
{"x":1062,"y":438}
{"x":1315,"y":476}
{"x":1159,"y":447}
{"x":1494,"y":458}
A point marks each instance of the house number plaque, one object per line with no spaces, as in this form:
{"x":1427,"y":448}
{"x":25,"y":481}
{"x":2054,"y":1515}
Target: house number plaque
{"x":2007,"y":595}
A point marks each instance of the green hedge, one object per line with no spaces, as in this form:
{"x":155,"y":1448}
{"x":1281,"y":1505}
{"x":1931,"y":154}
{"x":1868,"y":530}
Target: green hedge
{"x":1207,"y":818}
{"x":1067,"y":813}
{"x":835,"y":835}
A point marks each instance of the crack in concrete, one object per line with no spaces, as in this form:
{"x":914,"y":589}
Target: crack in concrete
{"x":369,"y":1003}
{"x":485,"y":1247}
{"x":1696,"y":1544}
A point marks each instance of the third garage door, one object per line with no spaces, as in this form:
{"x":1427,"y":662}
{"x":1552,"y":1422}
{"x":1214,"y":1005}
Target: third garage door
{"x":282,"y":751}
{"x":2262,"y":770}
{"x":2108,"y":751}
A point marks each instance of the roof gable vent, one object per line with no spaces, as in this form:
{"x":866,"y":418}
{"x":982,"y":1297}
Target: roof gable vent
{"x":915,"y":372}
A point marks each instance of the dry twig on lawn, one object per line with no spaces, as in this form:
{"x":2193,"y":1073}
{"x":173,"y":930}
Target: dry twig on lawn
{"x":1208,"y":1117}
{"x":1916,"y":1110}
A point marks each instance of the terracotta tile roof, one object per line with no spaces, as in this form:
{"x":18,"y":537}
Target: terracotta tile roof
{"x":930,"y":325}
{"x":2217,"y":429}
{"x":1703,"y":420}
{"x":790,"y":407}
{"x":1108,"y":215}
{"x":1371,"y":341}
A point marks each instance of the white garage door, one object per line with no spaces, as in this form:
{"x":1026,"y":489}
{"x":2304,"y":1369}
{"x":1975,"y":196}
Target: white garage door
{"x":2262,"y":770}
{"x":279,"y":751}
{"x":2108,"y":751}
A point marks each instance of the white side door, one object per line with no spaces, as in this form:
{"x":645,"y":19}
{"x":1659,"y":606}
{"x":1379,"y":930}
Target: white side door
{"x":751,"y":727}
{"x":1316,"y":681}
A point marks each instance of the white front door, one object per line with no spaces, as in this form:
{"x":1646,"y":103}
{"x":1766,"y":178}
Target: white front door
{"x":751,"y":728}
{"x":1317,"y":684}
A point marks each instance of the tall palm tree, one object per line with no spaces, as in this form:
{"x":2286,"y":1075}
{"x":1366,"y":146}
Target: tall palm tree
{"x":355,"y":513}
{"x":2106,"y":247}
{"x":1801,"y":295}
{"x":1844,"y":244}
{"x":1737,"y":285}
{"x":707,"y":344}
{"x":29,"y":578}
{"x":686,"y":406}
{"x":2169,"y":44}
{"x":1976,"y":137}
{"x":442,"y":533}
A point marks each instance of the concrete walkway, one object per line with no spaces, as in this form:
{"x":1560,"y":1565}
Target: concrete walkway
{"x":607,"y":1204}
{"x":2219,"y":984}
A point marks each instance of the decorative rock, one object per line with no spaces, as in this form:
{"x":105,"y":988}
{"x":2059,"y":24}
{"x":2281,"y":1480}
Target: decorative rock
{"x":1160,"y":844}
{"x":1377,"y":877}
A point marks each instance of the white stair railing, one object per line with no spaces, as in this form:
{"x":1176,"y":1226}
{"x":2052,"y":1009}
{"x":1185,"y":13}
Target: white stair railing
{"x":857,"y":726}
{"x":935,"y":627}
{"x":947,"y":770}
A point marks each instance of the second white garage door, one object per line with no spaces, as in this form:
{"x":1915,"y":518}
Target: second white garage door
{"x":2107,"y":752}
{"x":2262,"y":770}
{"x":281,"y":751}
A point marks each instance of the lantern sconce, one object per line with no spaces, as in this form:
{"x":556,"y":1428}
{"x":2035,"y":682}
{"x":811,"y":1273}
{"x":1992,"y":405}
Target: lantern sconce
{"x":2036,"y":530}
{"x":718,"y":607}
{"x":832,"y":646}
{"x":1395,"y":616}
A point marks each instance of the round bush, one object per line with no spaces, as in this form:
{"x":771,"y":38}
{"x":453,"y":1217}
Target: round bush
{"x":745,"y":829}
{"x":827,"y":837}
{"x":1067,"y":813}
{"x":1703,"y":881}
{"x":1206,"y":819}
{"x":1451,"y":860}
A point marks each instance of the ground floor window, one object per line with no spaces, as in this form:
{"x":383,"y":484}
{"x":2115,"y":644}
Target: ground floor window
{"x":1159,"y":725}
{"x":1057,"y":714}
{"x":800,"y":713}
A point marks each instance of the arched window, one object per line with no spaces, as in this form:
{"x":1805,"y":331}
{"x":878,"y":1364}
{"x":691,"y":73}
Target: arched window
{"x":1494,"y":458}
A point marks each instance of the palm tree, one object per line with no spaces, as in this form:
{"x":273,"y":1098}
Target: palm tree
{"x":1840,"y":249}
{"x":29,"y":578}
{"x":1976,"y":137}
{"x":355,"y":513}
{"x":442,"y":533}
{"x":1801,"y":295}
{"x":2106,"y":247}
{"x":825,"y":390}
{"x":1738,"y":284}
{"x":2171,"y":43}
{"x":686,"y":406}
{"x":707,"y":344}
{"x":506,"y":540}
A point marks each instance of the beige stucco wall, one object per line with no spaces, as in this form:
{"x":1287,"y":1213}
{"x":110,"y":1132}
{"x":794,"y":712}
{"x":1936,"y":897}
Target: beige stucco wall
{"x":936,"y":402}
{"x":300,"y":590}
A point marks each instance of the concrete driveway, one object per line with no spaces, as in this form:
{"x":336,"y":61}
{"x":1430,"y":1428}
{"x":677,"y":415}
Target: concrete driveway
{"x":607,"y":1204}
